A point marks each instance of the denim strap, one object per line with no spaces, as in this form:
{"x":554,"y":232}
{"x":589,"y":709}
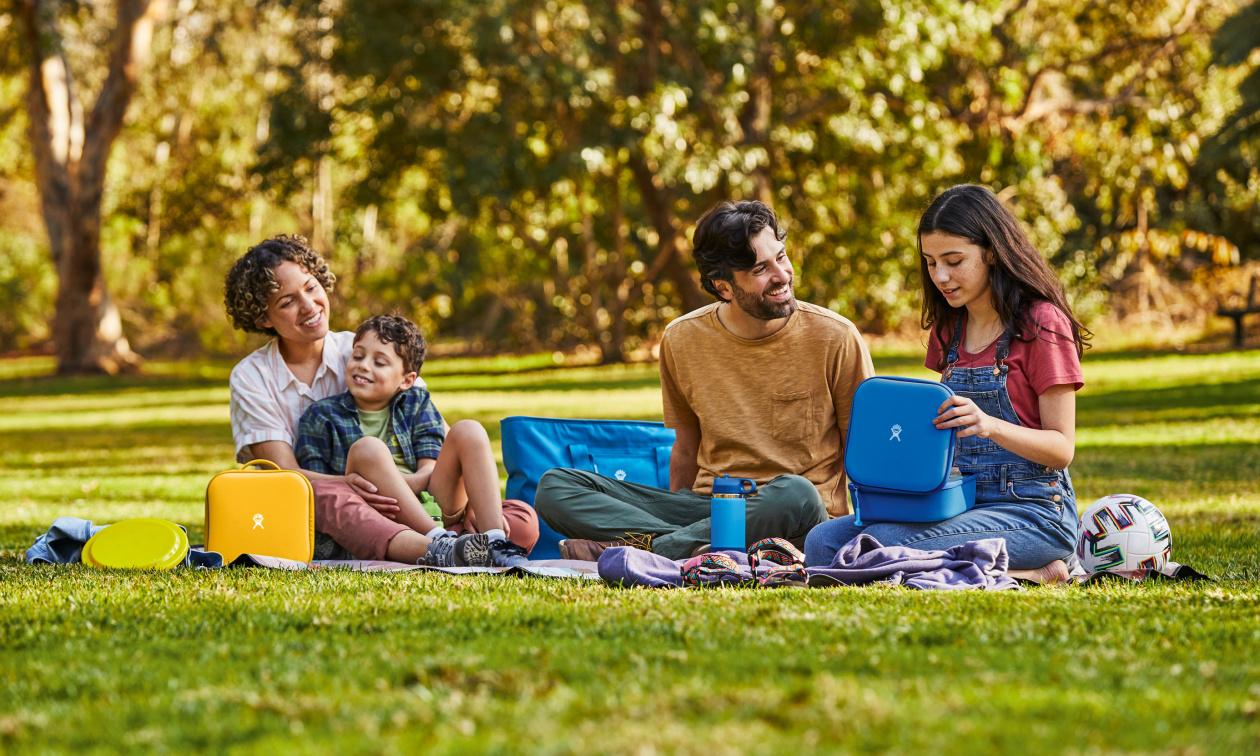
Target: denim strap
{"x":952,"y":357}
{"x":1003,"y":349}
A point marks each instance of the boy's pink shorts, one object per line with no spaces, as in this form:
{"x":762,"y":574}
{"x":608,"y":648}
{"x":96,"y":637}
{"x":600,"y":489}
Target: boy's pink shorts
{"x":366,"y":533}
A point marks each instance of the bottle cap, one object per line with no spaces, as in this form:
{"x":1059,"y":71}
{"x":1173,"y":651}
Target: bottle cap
{"x":728,"y":485}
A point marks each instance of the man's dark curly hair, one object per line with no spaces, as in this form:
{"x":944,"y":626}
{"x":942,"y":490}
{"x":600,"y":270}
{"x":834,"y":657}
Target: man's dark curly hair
{"x":722,"y":242}
{"x":252,"y":279}
{"x":402,"y":333}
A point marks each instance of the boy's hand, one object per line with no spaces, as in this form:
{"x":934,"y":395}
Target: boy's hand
{"x":363,"y":487}
{"x":419,"y":480}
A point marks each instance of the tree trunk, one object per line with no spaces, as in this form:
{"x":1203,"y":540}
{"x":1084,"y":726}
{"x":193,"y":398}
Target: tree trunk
{"x":322,"y":208}
{"x":669,"y":247}
{"x":594,"y":284}
{"x":70,"y":160}
{"x":612,"y":350}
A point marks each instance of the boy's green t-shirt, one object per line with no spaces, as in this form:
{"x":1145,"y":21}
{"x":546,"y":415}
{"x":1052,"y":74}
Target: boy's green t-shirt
{"x":377,"y":424}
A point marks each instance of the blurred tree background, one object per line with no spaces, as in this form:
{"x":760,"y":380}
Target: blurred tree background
{"x":524,"y":174}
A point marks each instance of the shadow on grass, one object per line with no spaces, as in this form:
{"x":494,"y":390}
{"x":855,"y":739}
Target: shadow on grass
{"x":1174,"y":397}
{"x":1192,"y":402}
{"x":1202,"y":463}
{"x":117,"y":440}
{"x":53,"y":386}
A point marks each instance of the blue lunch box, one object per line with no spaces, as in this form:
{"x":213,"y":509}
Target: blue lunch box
{"x":897,"y":461}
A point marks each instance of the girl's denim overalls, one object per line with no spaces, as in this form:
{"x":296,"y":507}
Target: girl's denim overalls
{"x":1032,"y":506}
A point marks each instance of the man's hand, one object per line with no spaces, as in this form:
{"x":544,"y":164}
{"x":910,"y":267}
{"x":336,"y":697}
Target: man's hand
{"x":364,"y":487}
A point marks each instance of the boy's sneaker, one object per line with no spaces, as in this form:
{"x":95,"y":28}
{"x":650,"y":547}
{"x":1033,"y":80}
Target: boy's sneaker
{"x":448,"y":550}
{"x":473,"y":550}
{"x":478,"y":550}
{"x":504,"y":553}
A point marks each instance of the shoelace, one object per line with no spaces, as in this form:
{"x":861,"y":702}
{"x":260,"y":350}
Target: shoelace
{"x":641,"y":541}
{"x":509,"y":548}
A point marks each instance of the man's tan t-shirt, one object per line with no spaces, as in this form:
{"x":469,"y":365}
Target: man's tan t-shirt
{"x":766,"y":407}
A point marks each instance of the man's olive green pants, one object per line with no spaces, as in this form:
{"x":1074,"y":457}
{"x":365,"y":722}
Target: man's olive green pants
{"x":581,"y":504}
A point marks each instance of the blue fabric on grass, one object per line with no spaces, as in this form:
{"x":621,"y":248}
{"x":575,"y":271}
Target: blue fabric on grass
{"x":63,"y":543}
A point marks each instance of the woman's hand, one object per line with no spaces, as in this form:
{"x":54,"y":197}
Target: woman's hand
{"x":364,"y":487}
{"x":962,"y":413}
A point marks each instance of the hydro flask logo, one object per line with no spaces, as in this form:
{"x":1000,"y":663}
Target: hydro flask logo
{"x":896,"y":433}
{"x":257,"y":522}
{"x":620,"y":475}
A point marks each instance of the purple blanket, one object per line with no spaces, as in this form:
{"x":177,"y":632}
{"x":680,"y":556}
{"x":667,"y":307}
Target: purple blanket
{"x":862,"y":561}
{"x":634,"y":568}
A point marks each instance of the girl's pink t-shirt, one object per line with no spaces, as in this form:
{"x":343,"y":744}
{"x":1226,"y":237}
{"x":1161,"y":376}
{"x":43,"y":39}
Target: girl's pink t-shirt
{"x":1047,"y":360}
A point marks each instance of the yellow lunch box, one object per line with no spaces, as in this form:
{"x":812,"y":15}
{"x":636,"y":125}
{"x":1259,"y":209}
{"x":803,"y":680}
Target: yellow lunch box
{"x":260,"y":509}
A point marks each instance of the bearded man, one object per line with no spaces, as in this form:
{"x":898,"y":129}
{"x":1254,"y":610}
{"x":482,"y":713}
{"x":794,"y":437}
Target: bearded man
{"x":756,"y":385}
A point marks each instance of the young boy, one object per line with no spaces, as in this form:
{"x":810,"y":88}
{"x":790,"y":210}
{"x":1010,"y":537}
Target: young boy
{"x":387,"y":430}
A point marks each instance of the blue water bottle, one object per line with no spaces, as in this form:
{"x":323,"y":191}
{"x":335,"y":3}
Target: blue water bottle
{"x":729,"y":512}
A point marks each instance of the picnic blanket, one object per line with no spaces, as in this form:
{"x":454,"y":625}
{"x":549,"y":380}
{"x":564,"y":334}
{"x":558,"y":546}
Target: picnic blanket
{"x":63,"y":544}
{"x":769,"y":563}
{"x":555,"y":568}
{"x":975,"y":565}
{"x":863,"y":561}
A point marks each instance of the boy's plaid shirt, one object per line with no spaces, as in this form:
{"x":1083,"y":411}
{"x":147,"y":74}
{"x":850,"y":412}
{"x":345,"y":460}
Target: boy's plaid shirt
{"x":329,"y":427}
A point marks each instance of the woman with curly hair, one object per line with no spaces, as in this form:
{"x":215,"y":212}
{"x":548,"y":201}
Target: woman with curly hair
{"x":280,"y":288}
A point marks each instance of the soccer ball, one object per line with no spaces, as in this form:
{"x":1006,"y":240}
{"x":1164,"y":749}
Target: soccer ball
{"x":1123,"y":532}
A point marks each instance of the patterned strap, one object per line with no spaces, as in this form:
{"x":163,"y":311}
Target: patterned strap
{"x":710,"y":570}
{"x":776,"y":562}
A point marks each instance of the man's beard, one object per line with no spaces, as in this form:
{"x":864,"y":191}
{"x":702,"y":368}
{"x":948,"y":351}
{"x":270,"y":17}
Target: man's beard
{"x":762,"y":307}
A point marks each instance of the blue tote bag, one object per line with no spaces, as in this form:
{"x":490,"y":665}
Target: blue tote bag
{"x":622,"y":449}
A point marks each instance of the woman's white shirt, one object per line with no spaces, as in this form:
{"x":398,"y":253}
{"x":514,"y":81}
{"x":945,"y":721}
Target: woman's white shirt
{"x":267,"y":400}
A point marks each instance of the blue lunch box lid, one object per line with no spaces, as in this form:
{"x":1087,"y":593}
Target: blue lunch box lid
{"x":892,"y":443}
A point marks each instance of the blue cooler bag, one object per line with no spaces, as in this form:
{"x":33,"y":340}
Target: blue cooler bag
{"x":898,"y":462}
{"x":622,"y":449}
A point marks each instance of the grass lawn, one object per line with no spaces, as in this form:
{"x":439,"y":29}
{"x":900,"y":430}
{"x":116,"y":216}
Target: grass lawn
{"x":257,"y":662}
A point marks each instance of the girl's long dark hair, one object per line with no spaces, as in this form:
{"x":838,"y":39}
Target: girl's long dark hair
{"x":1018,"y":275}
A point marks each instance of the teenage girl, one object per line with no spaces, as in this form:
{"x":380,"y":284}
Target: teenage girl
{"x":1004,"y":339}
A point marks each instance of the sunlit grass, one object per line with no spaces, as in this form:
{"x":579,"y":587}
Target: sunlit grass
{"x":391,"y":663}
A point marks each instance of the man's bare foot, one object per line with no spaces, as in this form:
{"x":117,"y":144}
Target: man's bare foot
{"x":1055,"y":572}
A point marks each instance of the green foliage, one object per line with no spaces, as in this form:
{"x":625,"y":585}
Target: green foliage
{"x":524,"y":173}
{"x":27,"y":289}
{"x":1234,"y":44}
{"x":563,"y":124}
{"x":253,"y":661}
